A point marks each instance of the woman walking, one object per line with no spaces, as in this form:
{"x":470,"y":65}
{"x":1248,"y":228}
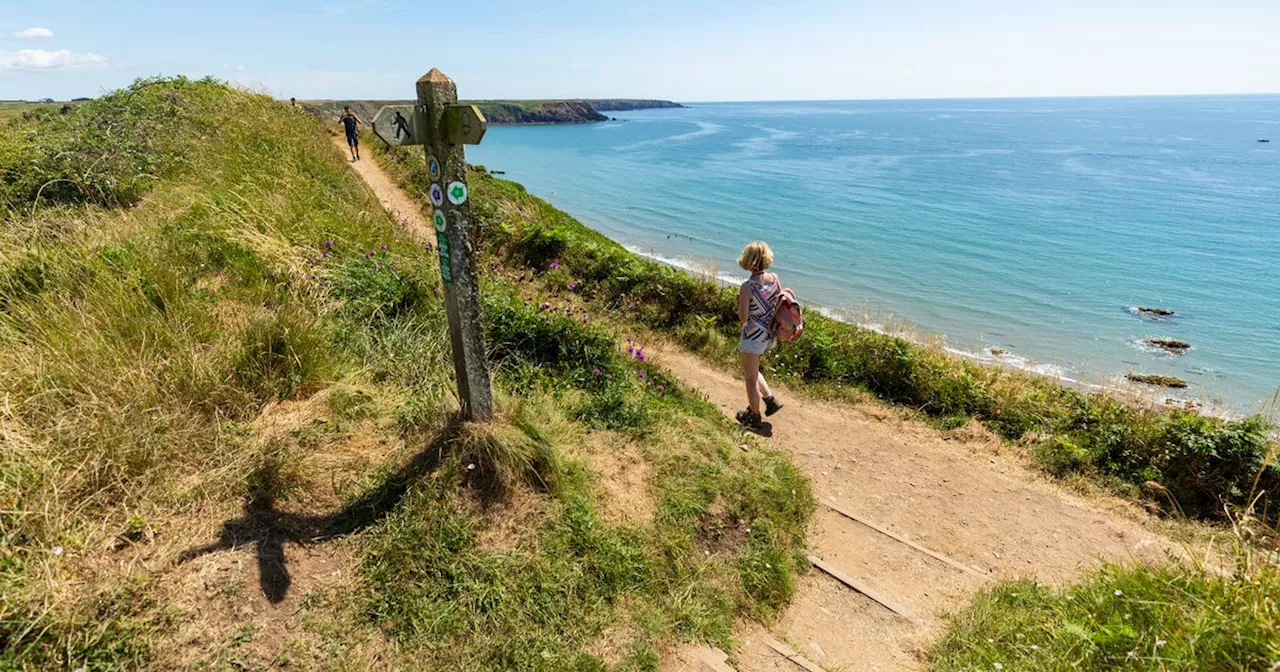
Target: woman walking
{"x":757,"y":302}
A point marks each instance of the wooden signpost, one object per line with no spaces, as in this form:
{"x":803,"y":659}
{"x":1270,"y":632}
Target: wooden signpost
{"x":442,"y":127}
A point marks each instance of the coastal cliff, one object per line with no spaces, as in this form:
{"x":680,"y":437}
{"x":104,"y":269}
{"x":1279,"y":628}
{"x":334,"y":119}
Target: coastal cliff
{"x":506,"y":112}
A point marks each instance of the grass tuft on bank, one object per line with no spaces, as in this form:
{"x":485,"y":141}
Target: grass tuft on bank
{"x":1177,"y":616}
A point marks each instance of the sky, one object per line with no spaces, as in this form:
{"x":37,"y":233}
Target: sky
{"x":685,"y":50}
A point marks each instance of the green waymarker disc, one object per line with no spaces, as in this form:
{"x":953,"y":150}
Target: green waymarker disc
{"x":440,"y":221}
{"x":457,"y":193}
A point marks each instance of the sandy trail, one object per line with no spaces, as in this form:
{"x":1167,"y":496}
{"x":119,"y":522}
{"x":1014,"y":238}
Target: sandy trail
{"x":960,"y":494}
{"x":955,"y":494}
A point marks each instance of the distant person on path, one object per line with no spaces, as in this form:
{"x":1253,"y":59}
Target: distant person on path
{"x":757,"y":302}
{"x":349,"y":122}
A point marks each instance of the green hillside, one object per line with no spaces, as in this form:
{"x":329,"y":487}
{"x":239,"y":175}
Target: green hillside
{"x":229,"y":432}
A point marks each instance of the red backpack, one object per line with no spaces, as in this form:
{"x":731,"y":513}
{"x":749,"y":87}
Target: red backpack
{"x":788,"y":320}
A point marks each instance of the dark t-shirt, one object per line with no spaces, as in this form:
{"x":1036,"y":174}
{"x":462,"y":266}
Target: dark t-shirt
{"x":349,"y":122}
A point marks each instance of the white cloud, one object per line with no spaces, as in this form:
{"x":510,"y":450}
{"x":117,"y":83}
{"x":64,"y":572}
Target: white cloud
{"x":39,"y":59}
{"x":31,"y":33}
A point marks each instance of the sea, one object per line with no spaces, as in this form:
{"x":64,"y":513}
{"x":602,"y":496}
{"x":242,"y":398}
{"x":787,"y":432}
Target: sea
{"x":1023,"y":232}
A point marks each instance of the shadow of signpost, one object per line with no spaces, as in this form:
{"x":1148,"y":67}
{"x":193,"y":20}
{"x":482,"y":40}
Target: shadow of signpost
{"x":269,"y":528}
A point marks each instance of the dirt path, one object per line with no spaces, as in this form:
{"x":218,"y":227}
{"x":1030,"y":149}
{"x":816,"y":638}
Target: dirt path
{"x":397,"y":203}
{"x":955,"y":493}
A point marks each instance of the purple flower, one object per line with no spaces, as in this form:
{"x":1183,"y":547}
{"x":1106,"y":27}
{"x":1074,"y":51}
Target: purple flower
{"x":328,"y":244}
{"x":640,"y":354}
{"x":595,"y":371}
{"x":555,"y":265}
{"x":384,"y":248}
{"x":325,"y":255}
{"x":641,"y":375}
{"x":312,"y":261}
{"x":662,"y":388}
{"x":631,"y":349}
{"x":572,"y":286}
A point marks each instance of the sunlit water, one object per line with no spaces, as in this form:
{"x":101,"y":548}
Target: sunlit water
{"x":1032,"y":226}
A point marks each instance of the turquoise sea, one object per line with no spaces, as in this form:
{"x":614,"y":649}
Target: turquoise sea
{"x":1035,"y":226}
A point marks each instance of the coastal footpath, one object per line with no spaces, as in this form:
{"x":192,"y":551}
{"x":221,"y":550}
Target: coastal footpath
{"x":507,"y":112}
{"x":231,"y":440}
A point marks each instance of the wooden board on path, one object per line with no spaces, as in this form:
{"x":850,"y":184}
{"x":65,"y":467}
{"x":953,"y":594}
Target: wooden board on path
{"x":933,"y":554}
{"x":863,"y":588}
{"x":791,"y":655}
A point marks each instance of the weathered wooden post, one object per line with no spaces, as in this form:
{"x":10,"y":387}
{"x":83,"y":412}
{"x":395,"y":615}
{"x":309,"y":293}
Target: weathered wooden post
{"x":442,"y":126}
{"x":448,"y":126}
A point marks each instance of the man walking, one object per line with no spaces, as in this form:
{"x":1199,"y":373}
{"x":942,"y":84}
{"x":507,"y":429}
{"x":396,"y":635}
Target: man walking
{"x":349,"y":122}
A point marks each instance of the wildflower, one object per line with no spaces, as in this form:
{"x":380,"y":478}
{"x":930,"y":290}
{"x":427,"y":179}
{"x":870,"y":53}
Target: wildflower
{"x":312,"y":261}
{"x":662,"y":388}
{"x":325,"y":254}
{"x":1161,"y":642}
{"x":471,"y":467}
{"x":328,"y":244}
{"x":384,"y":248}
{"x":640,"y":355}
{"x":57,"y":550}
{"x":998,"y":666}
{"x":1119,"y":592}
{"x":631,"y":349}
{"x":555,"y":265}
{"x":572,"y":285}
{"x":641,"y":375}
{"x":595,"y":371}
{"x":437,"y":291}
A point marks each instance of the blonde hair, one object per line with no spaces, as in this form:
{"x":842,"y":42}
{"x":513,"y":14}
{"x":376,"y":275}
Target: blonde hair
{"x":756,"y":257}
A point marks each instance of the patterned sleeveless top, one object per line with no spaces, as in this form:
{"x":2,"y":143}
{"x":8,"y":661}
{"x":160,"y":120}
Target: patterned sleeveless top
{"x":763,"y":304}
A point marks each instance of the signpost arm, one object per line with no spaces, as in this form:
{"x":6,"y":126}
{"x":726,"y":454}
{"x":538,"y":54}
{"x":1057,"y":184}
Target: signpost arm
{"x":436,"y":93}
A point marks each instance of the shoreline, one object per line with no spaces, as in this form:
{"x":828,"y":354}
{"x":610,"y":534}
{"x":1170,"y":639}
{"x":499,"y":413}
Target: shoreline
{"x":1154,"y":398}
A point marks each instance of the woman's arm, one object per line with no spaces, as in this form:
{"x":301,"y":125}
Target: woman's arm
{"x":744,"y":304}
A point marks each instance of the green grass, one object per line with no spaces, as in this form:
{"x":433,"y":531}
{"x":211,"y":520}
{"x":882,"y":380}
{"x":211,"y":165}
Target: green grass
{"x":1172,"y":617}
{"x":1203,"y":462}
{"x":204,"y":316}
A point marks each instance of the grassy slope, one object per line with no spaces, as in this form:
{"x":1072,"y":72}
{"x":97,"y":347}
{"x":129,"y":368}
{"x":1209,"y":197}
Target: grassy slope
{"x":1173,"y":617}
{"x":204,"y":317}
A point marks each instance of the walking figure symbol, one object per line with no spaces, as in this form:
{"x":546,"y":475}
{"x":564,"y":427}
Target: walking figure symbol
{"x":402,"y":126}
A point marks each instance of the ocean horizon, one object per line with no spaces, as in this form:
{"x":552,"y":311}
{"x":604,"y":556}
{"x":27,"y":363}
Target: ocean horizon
{"x":1019,"y":231}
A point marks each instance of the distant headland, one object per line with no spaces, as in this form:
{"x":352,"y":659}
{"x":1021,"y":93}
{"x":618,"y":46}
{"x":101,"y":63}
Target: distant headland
{"x":509,"y":112}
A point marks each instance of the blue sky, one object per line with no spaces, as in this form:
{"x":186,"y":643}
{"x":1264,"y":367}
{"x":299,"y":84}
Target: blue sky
{"x":686,"y":50}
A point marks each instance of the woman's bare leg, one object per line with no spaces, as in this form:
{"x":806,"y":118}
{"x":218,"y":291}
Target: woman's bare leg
{"x":762,"y":385}
{"x":751,"y":375}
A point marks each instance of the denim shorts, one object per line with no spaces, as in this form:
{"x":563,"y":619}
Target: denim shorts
{"x":752,"y":347}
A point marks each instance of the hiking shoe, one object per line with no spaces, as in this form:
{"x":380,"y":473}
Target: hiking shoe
{"x":749,"y":419}
{"x":771,"y":405}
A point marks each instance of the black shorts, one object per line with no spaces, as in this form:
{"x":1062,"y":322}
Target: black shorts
{"x":353,"y":140}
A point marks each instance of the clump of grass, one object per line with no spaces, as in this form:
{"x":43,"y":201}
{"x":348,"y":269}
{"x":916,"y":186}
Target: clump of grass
{"x":1203,"y":462}
{"x":1174,"y":616}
